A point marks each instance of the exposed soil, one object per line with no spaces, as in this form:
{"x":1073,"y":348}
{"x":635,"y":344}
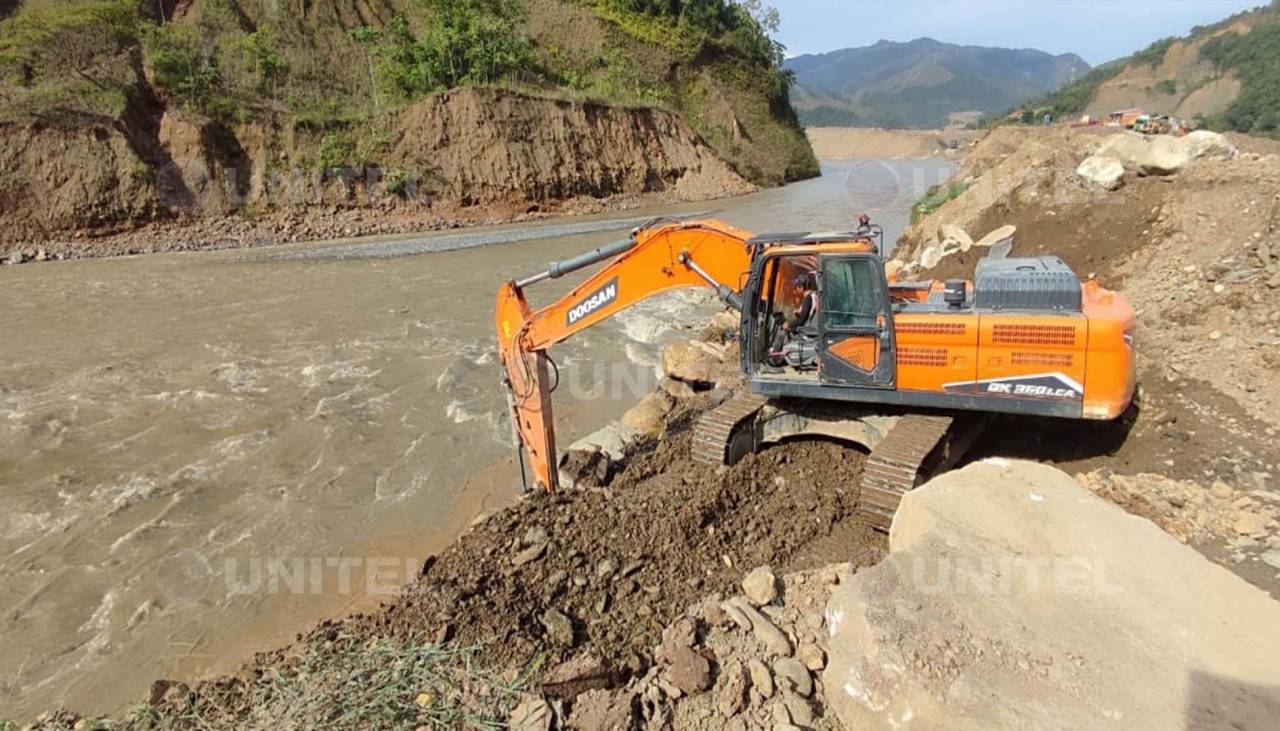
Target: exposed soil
{"x":468,"y":154}
{"x":1091,"y":236}
{"x":618,"y":564}
{"x":671,"y":529}
{"x":1182,"y":429}
{"x":858,"y":143}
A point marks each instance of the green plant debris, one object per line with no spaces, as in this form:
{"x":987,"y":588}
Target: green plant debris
{"x":936,"y":197}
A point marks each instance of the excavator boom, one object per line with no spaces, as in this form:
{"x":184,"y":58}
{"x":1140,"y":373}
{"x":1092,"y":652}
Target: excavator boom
{"x":659,"y":256}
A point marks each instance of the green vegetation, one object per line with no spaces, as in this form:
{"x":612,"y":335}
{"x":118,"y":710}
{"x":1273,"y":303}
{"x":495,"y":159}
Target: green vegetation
{"x":1153,"y":55}
{"x":1255,"y":58}
{"x":464,"y":42}
{"x":181,"y":67}
{"x":68,"y":56}
{"x":241,"y":62}
{"x":38,"y":42}
{"x":1252,"y":56}
{"x":936,"y":197}
{"x":1071,"y":99}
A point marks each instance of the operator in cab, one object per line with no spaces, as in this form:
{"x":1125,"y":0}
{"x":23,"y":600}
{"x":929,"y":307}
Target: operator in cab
{"x":787,"y":347}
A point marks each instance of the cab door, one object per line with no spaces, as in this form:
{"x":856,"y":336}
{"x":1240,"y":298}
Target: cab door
{"x":856,"y":345}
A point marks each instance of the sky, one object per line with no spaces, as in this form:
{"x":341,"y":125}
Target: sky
{"x":1098,"y":30}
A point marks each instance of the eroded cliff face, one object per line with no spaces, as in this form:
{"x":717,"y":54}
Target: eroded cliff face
{"x":463,"y":149}
{"x":477,"y":147}
{"x":57,"y":178}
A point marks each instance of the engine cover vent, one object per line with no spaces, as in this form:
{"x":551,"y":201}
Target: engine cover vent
{"x":1031,"y":283}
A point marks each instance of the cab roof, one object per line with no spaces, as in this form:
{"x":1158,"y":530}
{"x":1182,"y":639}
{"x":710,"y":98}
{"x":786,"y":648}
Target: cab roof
{"x":806,"y":237}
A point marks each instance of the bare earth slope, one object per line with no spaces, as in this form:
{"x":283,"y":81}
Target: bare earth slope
{"x":252,"y":121}
{"x":503,"y":152}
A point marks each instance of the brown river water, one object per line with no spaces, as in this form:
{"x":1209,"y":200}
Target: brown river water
{"x":203,"y":454}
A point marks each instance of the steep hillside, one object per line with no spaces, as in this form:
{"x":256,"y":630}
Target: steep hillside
{"x":921,"y":83}
{"x":137,"y":111}
{"x":1224,"y":76}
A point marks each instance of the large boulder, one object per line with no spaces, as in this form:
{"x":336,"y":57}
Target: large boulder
{"x":684,"y":361}
{"x":1012,"y":598}
{"x":1205,"y":144}
{"x":1156,"y":155}
{"x":952,"y":232}
{"x":648,"y":417}
{"x":999,"y":235}
{"x":590,"y":461}
{"x":1104,"y":171}
{"x":931,"y":256}
{"x":1164,"y":154}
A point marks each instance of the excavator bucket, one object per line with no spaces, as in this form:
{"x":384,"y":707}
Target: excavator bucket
{"x":528,"y":383}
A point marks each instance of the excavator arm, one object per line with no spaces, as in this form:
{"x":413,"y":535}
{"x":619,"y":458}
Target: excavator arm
{"x":659,"y":256}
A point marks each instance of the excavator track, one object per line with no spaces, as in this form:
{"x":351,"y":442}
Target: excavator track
{"x":918,"y":445}
{"x":714,"y":431}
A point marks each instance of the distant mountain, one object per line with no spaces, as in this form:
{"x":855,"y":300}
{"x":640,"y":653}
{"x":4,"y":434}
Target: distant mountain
{"x":1223,"y":76}
{"x":922,"y":83}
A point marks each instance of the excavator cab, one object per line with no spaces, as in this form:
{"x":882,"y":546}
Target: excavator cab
{"x":856,"y":346}
{"x":849,"y":341}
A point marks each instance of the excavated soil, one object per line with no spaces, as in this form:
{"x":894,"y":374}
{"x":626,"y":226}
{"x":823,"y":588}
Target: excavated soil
{"x":622,"y":562}
{"x":619,"y":564}
{"x":1090,"y":236}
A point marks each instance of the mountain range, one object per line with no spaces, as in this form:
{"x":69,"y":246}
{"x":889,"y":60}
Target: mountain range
{"x":923,"y":83}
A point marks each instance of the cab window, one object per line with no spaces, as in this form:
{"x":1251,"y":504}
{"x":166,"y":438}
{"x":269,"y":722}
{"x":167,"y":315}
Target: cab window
{"x":851,"y":296}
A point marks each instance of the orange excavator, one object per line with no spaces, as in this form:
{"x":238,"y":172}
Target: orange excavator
{"x":906,"y":370}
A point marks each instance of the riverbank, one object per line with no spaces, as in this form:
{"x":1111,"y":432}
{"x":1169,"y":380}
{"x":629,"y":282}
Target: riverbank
{"x":330,"y":400}
{"x":392,"y":217}
{"x":464,"y":161}
{"x":859,"y":143}
{"x":570,"y":609}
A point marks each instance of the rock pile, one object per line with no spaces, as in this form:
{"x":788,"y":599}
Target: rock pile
{"x":1150,"y":155}
{"x":1246,"y":520}
{"x":701,"y":366}
{"x":951,"y":240}
{"x":752,"y":661}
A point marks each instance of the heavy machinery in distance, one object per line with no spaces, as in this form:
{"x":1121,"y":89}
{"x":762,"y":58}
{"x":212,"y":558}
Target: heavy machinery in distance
{"x":906,"y":370}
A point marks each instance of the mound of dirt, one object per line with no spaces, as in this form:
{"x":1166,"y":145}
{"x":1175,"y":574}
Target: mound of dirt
{"x":579,"y":585}
{"x":620,"y":563}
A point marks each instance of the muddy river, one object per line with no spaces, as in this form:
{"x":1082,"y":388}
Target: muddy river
{"x":202,"y":454}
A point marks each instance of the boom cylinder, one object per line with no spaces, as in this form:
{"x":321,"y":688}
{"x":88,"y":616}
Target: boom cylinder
{"x":560,"y":268}
{"x":726,"y":295}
